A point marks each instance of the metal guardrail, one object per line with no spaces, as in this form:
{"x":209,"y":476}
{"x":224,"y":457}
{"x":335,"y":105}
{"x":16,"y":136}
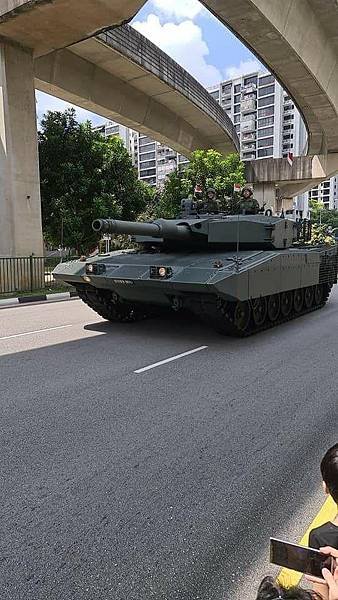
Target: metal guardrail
{"x":27,"y":273}
{"x":129,"y":42}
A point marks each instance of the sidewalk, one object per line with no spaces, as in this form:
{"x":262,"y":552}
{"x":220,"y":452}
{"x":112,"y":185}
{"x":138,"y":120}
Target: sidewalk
{"x":37,"y":298}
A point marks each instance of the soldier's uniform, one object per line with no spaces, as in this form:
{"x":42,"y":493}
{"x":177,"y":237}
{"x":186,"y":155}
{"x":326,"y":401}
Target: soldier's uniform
{"x":248,"y":205}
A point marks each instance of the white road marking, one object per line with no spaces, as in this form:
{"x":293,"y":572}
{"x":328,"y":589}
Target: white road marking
{"x":168,"y":360}
{"x":8,"y":337}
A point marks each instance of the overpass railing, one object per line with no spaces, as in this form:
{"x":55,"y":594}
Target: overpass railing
{"x":27,"y":274}
{"x":129,"y":42}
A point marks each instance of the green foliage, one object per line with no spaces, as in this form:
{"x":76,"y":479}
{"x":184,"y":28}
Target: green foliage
{"x":83,"y":177}
{"x":320,"y":214}
{"x":320,"y":235}
{"x":207,"y":168}
{"x":210,"y":169}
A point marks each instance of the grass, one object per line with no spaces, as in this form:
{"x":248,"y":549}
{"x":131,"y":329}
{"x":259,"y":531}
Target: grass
{"x":56,"y":289}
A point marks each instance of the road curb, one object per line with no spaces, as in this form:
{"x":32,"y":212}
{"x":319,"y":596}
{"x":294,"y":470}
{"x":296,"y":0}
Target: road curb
{"x":8,"y":302}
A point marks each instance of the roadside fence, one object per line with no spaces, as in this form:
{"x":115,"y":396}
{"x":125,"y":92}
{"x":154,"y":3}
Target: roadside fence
{"x":27,"y":273}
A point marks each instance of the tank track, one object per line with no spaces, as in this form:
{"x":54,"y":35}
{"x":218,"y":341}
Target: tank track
{"x":220,"y":315}
{"x":103,"y":303}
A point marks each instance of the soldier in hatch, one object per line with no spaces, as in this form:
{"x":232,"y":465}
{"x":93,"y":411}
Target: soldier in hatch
{"x":248,"y":205}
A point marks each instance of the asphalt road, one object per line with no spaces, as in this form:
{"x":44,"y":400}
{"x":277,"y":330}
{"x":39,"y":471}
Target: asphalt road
{"x":162,"y":484}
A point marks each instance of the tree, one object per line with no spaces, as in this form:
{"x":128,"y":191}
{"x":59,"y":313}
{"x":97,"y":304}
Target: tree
{"x":83,"y":177}
{"x":322,"y":215}
{"x":207,"y":168}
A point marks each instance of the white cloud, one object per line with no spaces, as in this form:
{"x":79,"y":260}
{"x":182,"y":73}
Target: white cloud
{"x":46,"y":102}
{"x":180,"y":9}
{"x":244,"y":67}
{"x":184,"y":43}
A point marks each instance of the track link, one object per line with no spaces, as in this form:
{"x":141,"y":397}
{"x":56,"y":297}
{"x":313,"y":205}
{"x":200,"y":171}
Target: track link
{"x":101,"y":301}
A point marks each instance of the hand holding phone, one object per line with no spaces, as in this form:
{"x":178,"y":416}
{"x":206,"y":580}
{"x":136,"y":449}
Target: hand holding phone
{"x":299,"y":558}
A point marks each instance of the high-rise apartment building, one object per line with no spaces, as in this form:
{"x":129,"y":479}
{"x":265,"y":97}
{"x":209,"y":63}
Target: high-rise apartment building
{"x":266,"y":120}
{"x":156,"y":160}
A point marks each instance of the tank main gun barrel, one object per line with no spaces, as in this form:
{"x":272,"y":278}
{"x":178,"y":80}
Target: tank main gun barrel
{"x":158,"y":229}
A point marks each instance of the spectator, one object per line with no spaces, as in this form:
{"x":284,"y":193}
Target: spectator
{"x":328,"y":589}
{"x":327,"y":534}
{"x":270,"y":590}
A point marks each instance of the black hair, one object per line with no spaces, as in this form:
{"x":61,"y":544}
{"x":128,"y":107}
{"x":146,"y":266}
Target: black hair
{"x":247,"y":189}
{"x":270,"y":590}
{"x":329,"y":470}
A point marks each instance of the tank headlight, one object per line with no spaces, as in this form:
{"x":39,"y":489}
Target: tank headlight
{"x":160,"y":272}
{"x":95,"y":268}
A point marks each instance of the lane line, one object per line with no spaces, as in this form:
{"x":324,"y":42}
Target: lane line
{"x":16,"y":335}
{"x":328,"y":512}
{"x":168,"y":360}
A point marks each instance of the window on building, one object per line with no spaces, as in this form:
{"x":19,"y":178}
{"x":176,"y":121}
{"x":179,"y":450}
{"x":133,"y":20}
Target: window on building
{"x":265,"y":142}
{"x":252,"y":79}
{"x":265,"y":122}
{"x":147,"y":163}
{"x":289,"y":106}
{"x":147,"y":172}
{"x":146,"y":140}
{"x":265,"y":132}
{"x":237,"y":88}
{"x":265,"y":152}
{"x":237,"y":99}
{"x":266,"y":101}
{"x":226,"y":88}
{"x":237,"y":127}
{"x":215,"y":95}
{"x":237,"y":108}
{"x":237,"y":118}
{"x":288,"y":136}
{"x":266,"y":112}
{"x":289,"y":117}
{"x":266,"y":79}
{"x":288,"y":127}
{"x":266,"y":91}
{"x":113,"y":130}
{"x":147,"y":155}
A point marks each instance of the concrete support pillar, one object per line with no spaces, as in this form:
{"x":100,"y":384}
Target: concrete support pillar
{"x":265,"y":193}
{"x":20,"y":206}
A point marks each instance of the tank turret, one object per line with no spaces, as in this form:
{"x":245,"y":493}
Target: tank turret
{"x":258,"y":231}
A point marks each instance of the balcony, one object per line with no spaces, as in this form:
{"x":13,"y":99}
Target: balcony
{"x":247,"y":147}
{"x":248,"y":105}
{"x":249,"y":137}
{"x":249,"y":125}
{"x":249,"y":89}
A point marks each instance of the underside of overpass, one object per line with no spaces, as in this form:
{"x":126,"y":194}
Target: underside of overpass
{"x":124,"y":77}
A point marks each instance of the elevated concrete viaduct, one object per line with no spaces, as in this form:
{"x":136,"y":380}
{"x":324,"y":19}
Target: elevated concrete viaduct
{"x":122,"y":76}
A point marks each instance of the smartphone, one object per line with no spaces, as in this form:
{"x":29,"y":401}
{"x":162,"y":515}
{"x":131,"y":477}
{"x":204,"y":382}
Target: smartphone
{"x":299,"y":558}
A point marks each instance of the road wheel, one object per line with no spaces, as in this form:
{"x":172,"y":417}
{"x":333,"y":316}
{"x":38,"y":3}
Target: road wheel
{"x":298,"y":298}
{"x":273,"y":307}
{"x":286,"y":303}
{"x":308,"y":297}
{"x":242,"y":314}
{"x":318,"y":294}
{"x":259,"y":311}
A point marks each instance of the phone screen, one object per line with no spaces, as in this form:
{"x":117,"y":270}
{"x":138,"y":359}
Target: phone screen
{"x":298,"y":558}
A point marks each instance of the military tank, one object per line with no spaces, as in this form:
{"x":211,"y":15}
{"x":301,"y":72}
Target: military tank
{"x":242,"y":274}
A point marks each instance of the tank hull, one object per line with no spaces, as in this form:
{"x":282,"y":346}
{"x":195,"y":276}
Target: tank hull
{"x":218,"y":286}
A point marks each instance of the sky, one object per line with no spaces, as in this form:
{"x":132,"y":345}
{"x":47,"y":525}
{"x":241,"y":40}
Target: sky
{"x":194,"y":38}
